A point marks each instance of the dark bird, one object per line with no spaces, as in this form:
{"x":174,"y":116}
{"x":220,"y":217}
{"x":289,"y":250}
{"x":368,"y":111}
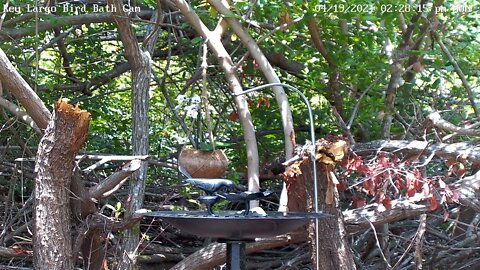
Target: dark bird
{"x":246,"y":197}
{"x":209,"y":201}
{"x":210,"y":185}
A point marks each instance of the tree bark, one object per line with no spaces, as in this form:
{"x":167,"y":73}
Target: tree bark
{"x":12,"y":80}
{"x":334,"y":251}
{"x":65,"y":134}
{"x":140,"y":61}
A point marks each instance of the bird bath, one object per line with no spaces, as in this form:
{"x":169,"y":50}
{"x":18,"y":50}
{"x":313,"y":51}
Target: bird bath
{"x":234,"y":228}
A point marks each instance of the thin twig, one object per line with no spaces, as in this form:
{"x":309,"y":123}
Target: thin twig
{"x":357,"y":105}
{"x":378,"y":243}
{"x":459,"y":72}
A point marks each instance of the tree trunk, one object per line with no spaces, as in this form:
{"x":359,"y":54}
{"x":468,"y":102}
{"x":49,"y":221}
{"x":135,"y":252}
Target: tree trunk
{"x":334,"y":251}
{"x":140,"y":62}
{"x":65,"y":134}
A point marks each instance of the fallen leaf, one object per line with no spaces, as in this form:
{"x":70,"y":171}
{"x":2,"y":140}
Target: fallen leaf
{"x":433,"y":203}
{"x":387,"y":202}
{"x":358,"y":201}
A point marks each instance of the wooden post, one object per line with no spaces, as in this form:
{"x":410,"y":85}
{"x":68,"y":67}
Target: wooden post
{"x":65,"y":134}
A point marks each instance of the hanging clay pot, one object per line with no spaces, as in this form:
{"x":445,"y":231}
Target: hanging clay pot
{"x":203,"y":164}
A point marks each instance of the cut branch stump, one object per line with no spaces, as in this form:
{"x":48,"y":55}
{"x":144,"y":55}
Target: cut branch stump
{"x":334,"y":251}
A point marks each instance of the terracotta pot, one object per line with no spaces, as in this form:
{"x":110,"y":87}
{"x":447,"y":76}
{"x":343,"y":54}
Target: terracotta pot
{"x":203,"y":164}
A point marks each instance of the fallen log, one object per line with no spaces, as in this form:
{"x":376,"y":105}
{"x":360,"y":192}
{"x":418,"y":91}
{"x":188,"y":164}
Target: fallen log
{"x":464,"y":150}
{"x":215,"y":253}
{"x":358,"y":220}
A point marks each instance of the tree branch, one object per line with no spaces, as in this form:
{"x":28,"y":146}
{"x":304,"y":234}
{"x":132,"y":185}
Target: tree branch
{"x":114,"y":181}
{"x":19,"y":114}
{"x":358,"y":220}
{"x":129,"y":40}
{"x":439,"y":122}
{"x":459,"y":72}
{"x":396,"y":69}
{"x":450,"y":151}
{"x":34,"y":106}
{"x":7,"y":34}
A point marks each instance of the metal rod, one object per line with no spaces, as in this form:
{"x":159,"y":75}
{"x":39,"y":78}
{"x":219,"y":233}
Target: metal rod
{"x":312,"y":151}
{"x":236,"y":255}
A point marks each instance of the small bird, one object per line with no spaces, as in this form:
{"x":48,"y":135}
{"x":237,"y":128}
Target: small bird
{"x":210,"y":185}
{"x":246,"y":197}
{"x":209,"y":201}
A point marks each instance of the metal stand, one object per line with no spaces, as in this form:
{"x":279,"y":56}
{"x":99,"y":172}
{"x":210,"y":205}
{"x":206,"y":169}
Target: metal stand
{"x":235,"y":255}
{"x":313,"y":150}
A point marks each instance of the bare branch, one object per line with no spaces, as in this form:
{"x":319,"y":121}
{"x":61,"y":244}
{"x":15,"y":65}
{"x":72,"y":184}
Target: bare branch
{"x":439,"y":122}
{"x":358,"y":220}
{"x":34,"y":106}
{"x":451,"y":151}
{"x":114,"y":181}
{"x":459,"y":72}
{"x":19,"y":113}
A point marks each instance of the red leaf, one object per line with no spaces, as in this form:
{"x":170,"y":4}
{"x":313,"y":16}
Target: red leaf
{"x":342,"y":186}
{"x":21,"y":250}
{"x":387,"y":202}
{"x":411,"y":191}
{"x":433,"y":203}
{"x":233,"y":116}
{"x":259,"y":102}
{"x":450,"y":163}
{"x":255,"y":64}
{"x":461,"y":170}
{"x":18,"y":249}
{"x":358,"y":201}
{"x":266,"y":102}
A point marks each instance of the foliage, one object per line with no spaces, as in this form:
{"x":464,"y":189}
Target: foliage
{"x":362,"y":39}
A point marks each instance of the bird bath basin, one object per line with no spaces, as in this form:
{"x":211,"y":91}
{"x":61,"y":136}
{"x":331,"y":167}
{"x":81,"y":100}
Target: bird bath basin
{"x":235,"y":229}
{"x":234,"y":226}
